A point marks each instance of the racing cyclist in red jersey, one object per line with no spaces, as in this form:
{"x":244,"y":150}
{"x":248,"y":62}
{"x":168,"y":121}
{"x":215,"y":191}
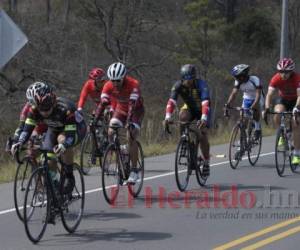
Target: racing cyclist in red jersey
{"x":129,"y":110}
{"x":92,"y":88}
{"x":287,"y":82}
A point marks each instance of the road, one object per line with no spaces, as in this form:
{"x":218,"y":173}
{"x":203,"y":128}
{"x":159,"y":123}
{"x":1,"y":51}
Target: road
{"x":246,"y":208}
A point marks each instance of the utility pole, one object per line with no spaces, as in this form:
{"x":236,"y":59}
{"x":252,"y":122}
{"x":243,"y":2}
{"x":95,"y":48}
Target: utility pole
{"x":284,"y":30}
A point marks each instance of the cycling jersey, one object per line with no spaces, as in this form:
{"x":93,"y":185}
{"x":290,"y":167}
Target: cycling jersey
{"x":89,"y":89}
{"x":287,"y":88}
{"x":249,"y":88}
{"x":40,"y":128}
{"x":63,"y":118}
{"x":127,"y":99}
{"x":196,"y":99}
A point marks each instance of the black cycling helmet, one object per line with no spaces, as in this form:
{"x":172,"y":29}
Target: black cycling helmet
{"x":240,"y":70}
{"x":188,"y":72}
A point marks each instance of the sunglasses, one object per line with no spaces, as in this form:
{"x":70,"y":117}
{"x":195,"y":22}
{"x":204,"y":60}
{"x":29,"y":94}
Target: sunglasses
{"x":284,"y":71}
{"x":116,"y":81}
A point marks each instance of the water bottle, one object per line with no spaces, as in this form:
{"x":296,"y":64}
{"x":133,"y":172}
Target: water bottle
{"x":125,"y":152}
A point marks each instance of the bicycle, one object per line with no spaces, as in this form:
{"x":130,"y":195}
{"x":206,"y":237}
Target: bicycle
{"x":243,"y":140}
{"x":26,"y":165}
{"x":284,"y":133}
{"x":116,"y":169}
{"x":46,"y":198}
{"x":93,"y":145}
{"x":188,"y":157}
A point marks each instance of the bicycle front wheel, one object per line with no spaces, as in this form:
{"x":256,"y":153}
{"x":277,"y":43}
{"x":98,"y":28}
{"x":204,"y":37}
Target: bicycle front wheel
{"x":73,"y":206}
{"x":182,"y":164}
{"x":235,"y":147}
{"x":36,"y":205}
{"x":135,"y":189}
{"x":24,"y":170}
{"x":281,"y":151}
{"x":111,"y":174}
{"x":88,"y":158}
{"x":201,"y":179}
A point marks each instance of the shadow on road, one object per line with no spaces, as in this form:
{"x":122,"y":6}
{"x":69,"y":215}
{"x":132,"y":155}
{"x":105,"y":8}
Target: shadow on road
{"x":105,"y":216}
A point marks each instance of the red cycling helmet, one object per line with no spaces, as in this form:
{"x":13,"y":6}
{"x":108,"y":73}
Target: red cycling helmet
{"x":96,"y":73}
{"x":285,"y":64}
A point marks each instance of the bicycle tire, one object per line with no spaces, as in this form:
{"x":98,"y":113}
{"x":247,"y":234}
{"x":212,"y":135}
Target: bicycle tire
{"x":253,"y":160}
{"x":183,"y":150}
{"x":70,"y":218}
{"x":280,"y":168}
{"x":86,"y":166}
{"x":233,"y":158}
{"x":40,"y":198}
{"x":201,"y":179}
{"x":135,"y":189}
{"x":24,"y":170}
{"x":111,"y":158}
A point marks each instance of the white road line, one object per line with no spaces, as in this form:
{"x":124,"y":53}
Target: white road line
{"x":145,"y":179}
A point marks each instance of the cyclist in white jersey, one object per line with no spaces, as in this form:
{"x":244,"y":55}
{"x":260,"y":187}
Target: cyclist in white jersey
{"x":252,"y":93}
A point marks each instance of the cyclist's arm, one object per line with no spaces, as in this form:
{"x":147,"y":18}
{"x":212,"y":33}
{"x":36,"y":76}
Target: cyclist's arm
{"x":298,"y":99}
{"x":105,"y":100}
{"x":70,"y":131}
{"x":232,"y":96}
{"x":134,"y":98}
{"x":172,"y":102}
{"x":205,"y":100}
{"x":83,"y":95}
{"x":29,"y":126}
{"x":269,"y":96}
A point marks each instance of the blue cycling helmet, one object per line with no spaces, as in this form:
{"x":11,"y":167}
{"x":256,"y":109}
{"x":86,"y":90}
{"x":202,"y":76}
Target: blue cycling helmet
{"x":188,"y":72}
{"x":240,"y":70}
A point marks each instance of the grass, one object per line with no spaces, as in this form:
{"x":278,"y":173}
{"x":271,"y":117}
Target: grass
{"x":218,"y":136}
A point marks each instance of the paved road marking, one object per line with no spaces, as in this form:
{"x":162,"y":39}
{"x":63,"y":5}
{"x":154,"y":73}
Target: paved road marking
{"x":273,"y":238}
{"x":145,"y":179}
{"x":257,"y":234}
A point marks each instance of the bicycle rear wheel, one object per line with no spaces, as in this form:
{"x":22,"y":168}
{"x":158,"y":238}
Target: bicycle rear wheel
{"x":111,"y":174}
{"x":182,"y":164}
{"x":73,"y":206}
{"x":88,"y":158}
{"x":36,"y":205}
{"x":135,"y":189}
{"x":235,"y":146}
{"x":254,"y":148}
{"x":281,"y":151}
{"x":24,"y":170}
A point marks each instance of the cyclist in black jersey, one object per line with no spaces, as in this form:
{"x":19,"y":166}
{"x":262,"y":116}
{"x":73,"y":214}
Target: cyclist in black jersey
{"x":195,"y":94}
{"x":66,"y":127}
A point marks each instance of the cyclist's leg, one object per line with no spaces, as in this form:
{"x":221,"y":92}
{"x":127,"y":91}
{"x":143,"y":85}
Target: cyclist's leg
{"x":184,"y":115}
{"x":280,"y":106}
{"x":132,"y":135}
{"x":295,"y":135}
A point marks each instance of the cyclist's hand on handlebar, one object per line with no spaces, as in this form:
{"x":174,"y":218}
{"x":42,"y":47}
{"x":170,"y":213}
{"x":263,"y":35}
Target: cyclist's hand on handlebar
{"x":59,"y":149}
{"x":296,"y":112}
{"x":265,"y":114}
{"x":166,"y":127}
{"x":15,"y":147}
{"x":201,"y":123}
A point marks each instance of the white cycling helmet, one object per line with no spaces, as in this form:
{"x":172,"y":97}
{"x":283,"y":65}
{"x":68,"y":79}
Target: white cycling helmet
{"x":116,"y":71}
{"x":30,"y":92}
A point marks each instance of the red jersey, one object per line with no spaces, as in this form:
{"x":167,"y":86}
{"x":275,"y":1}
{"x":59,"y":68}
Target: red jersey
{"x":287,"y":88}
{"x":89,"y":89}
{"x":130,"y":91}
{"x":24,"y":112}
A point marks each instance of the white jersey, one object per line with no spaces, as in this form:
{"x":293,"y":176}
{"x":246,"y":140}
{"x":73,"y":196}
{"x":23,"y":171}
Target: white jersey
{"x":249,"y":88}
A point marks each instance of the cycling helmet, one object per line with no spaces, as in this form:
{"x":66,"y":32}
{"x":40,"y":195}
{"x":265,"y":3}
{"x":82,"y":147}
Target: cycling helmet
{"x":96,"y":73}
{"x":240,"y":70}
{"x":43,"y":96}
{"x":116,"y":71}
{"x":30,"y":93}
{"x":188,"y":72}
{"x":285,"y":64}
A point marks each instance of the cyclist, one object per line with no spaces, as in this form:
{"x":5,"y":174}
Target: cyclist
{"x":40,"y":129}
{"x":287,"y":82}
{"x":195,"y":94}
{"x":252,"y":93}
{"x":92,"y":87}
{"x":66,"y":128}
{"x":129,"y":109}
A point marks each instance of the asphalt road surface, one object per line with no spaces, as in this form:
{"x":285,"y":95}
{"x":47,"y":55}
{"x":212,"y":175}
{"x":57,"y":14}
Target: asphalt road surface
{"x":246,"y":208}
